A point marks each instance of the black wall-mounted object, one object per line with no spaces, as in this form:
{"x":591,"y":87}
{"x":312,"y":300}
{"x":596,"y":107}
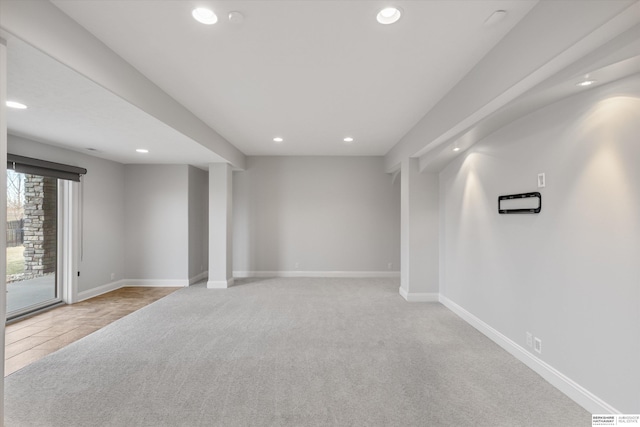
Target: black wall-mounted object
{"x":520,"y":210}
{"x":29,"y":165}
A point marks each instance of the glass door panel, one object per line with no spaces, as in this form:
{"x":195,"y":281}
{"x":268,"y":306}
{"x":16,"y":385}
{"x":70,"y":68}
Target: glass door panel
{"x":32,"y":242}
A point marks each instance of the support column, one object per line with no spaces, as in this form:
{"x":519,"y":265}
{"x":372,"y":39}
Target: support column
{"x":419,"y":233}
{"x":3,"y":205}
{"x":220,"y":226}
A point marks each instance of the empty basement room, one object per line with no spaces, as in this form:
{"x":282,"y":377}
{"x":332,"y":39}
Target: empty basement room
{"x":403,"y":213}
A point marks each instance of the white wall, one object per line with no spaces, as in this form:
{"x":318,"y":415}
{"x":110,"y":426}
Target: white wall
{"x":146,"y":223}
{"x":157,"y":233}
{"x":103,"y":210}
{"x":198,"y":221}
{"x":322,"y":213}
{"x":571,"y":274}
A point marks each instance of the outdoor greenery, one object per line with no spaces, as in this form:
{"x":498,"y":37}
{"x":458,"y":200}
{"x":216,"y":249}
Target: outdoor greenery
{"x":15,"y":260}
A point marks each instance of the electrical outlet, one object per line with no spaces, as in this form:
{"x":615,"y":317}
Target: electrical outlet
{"x":541,"y":180}
{"x":389,"y":266}
{"x":529,"y":339}
{"x":113,"y":276}
{"x":297,"y":265}
{"x":537,"y":345}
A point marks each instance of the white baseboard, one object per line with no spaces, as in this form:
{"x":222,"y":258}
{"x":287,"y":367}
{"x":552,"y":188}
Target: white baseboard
{"x":329,"y":274}
{"x":220,"y":284}
{"x":103,"y":289}
{"x":160,"y":283}
{"x":198,"y":278}
{"x":575,"y":391}
{"x":419,"y":297}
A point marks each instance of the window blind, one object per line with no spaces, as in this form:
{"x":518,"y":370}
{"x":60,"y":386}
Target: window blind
{"x":29,"y":165}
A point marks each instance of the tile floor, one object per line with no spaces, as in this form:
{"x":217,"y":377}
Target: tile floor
{"x":33,"y":338}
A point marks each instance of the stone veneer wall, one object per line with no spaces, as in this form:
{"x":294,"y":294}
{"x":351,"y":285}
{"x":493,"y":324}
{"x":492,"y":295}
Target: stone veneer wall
{"x":40,"y":225}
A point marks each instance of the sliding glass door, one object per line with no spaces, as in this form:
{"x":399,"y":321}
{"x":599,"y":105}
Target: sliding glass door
{"x":32,"y":243}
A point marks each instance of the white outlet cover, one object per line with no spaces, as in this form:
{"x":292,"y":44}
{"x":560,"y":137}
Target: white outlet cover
{"x":529,"y":339}
{"x":542,"y":182}
{"x":537,"y":345}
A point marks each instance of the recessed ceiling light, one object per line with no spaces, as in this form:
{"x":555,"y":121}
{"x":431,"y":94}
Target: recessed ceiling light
{"x":456,"y":148}
{"x":16,"y":105}
{"x":204,"y":16}
{"x":388,"y":15}
{"x":586,"y":83}
{"x":277,"y":139}
{"x":142,"y":150}
{"x":348,"y":139}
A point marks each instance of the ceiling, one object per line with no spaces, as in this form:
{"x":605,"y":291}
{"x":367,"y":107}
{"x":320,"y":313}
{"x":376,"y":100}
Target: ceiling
{"x":615,"y":60}
{"x":311,"y":72}
{"x":70,"y":111}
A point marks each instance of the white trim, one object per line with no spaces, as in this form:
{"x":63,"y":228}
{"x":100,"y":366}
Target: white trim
{"x":575,"y":391}
{"x":156,"y":283}
{"x":64,"y":292}
{"x":70,"y":230}
{"x":3,"y":203}
{"x":94,"y":292}
{"x":220,"y":284}
{"x":329,"y":274}
{"x":198,"y":278}
{"x":69,"y":291}
{"x":419,"y":297}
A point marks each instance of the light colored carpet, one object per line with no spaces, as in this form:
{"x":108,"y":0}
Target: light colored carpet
{"x":286,"y":352}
